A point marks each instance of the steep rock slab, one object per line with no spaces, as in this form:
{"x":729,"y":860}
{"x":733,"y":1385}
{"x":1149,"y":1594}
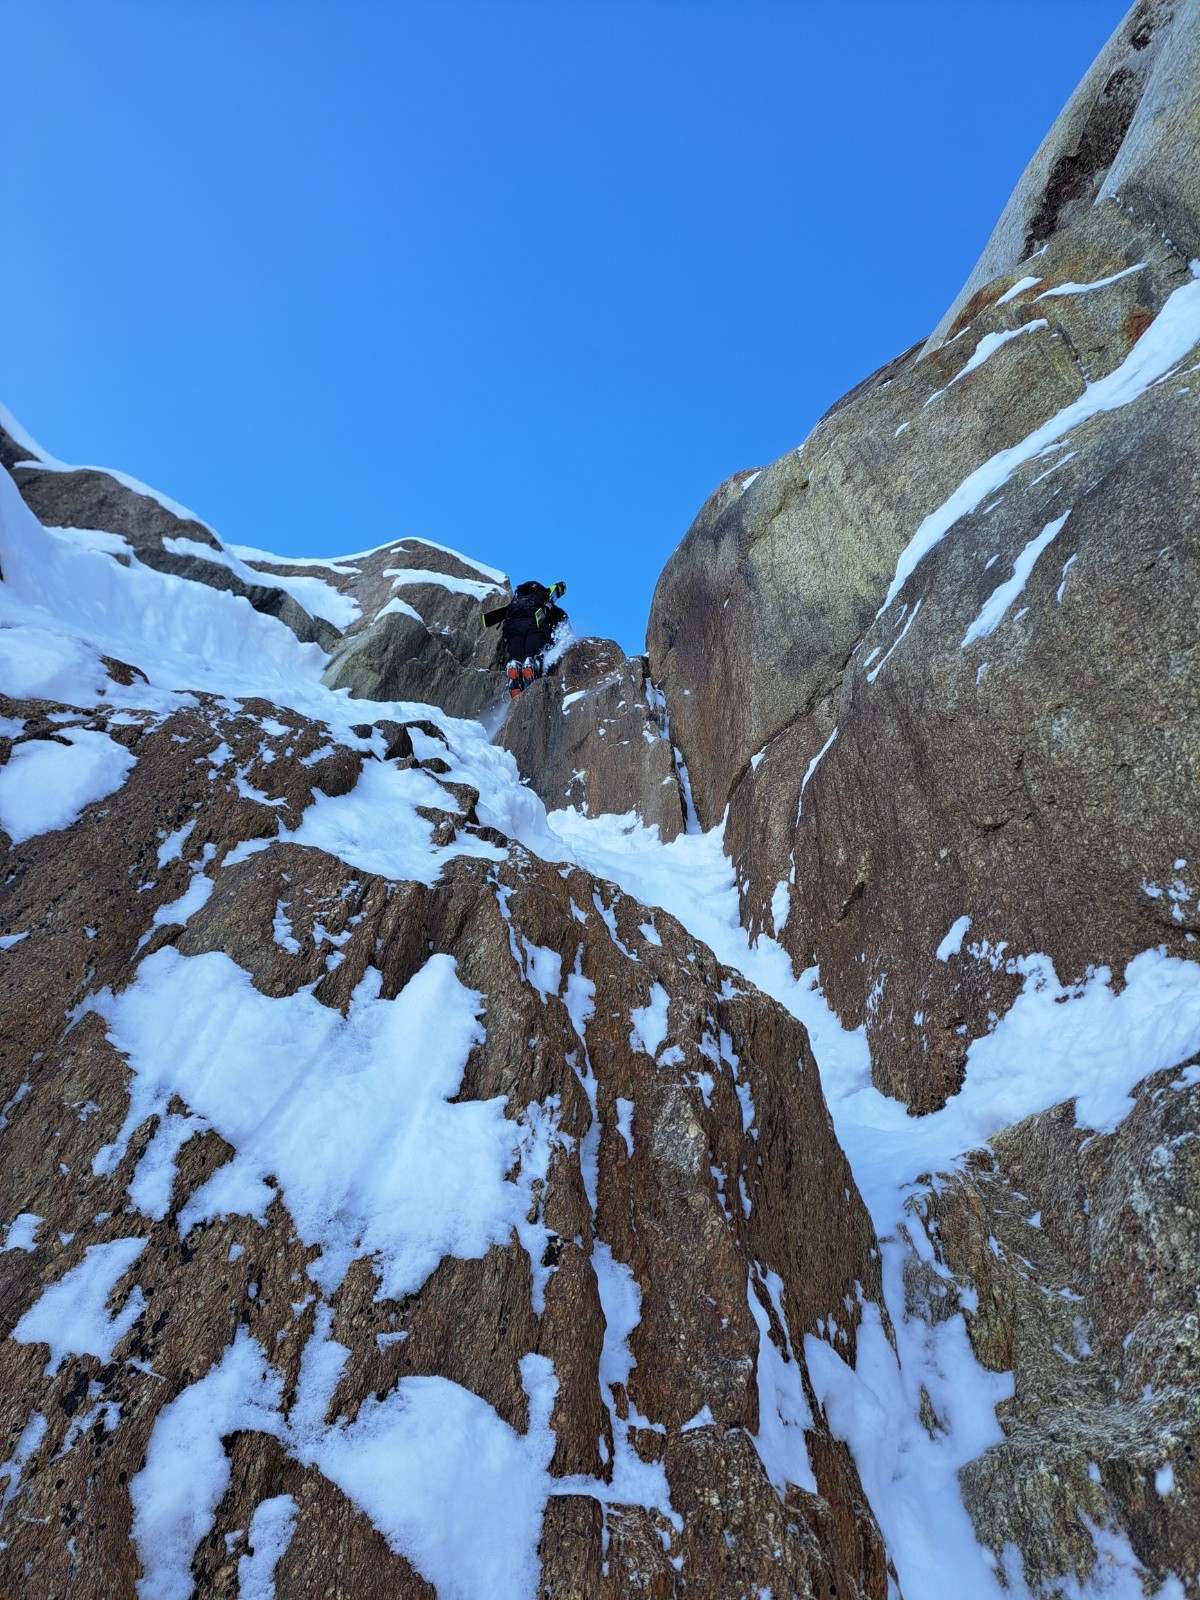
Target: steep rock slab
{"x":619,"y":1353}
{"x":1017,"y":752}
{"x":947,"y":707}
{"x":1130,"y":132}
{"x":1074,"y":1258}
{"x":592,"y":734}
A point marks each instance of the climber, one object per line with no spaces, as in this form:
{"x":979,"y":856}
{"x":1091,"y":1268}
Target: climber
{"x":528,"y":624}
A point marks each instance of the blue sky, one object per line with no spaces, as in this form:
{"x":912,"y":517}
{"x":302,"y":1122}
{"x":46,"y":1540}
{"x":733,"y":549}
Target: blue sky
{"x":527,"y":278}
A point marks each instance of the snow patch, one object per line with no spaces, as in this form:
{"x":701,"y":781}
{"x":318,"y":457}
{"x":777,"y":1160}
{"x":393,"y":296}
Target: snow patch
{"x":350,"y":1116}
{"x":1169,"y":338}
{"x":45,"y":785}
{"x":952,"y":944}
{"x":1001,"y":598}
{"x":650,"y":1022}
{"x":71,"y":1316}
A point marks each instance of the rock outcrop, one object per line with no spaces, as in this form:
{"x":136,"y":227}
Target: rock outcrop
{"x":909,"y":748}
{"x":401,"y":622}
{"x":593,"y":734}
{"x":1074,"y":1259}
{"x":418,"y":635}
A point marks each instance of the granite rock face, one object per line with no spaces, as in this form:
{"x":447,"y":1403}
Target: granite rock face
{"x":592,"y":734}
{"x":419,"y":634}
{"x":667,"y":1131}
{"x":904,"y":750}
{"x":961,"y":621}
{"x":1075,"y":1259}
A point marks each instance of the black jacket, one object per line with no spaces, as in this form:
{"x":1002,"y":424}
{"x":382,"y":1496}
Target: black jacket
{"x":532,"y":618}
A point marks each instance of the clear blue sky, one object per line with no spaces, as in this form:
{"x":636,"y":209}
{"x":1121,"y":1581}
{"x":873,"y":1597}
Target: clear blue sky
{"x":527,"y":277}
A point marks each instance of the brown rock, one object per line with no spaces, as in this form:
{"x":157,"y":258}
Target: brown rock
{"x":591,"y":734}
{"x":691,"y":1168}
{"x":1080,"y":1254}
{"x":1033,"y":780}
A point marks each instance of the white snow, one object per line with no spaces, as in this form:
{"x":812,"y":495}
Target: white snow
{"x":1067,"y":565}
{"x":154,"y":1177}
{"x":62,"y":607}
{"x":350,"y":1116}
{"x":811,"y":768}
{"x":172,"y":846}
{"x":633,"y":1481}
{"x":1018,"y":288}
{"x":281,"y":930}
{"x":193,"y":898}
{"x":952,"y":944}
{"x":405,"y":577}
{"x":376,"y":826}
{"x":45,"y":785}
{"x":71,"y":1316}
{"x":23,"y":441}
{"x":781,"y":905}
{"x":1168,"y":339}
{"x":27,"y":1445}
{"x":271,"y":1529}
{"x":21,"y":1233}
{"x":339,"y":564}
{"x":624,"y":1127}
{"x":896,"y":643}
{"x":1089,"y":288}
{"x":1001,"y":598}
{"x":317,"y":596}
{"x":449,"y":1483}
{"x":650,"y":1022}
{"x":987,"y":346}
{"x":176,"y":1494}
{"x":399,"y":608}
{"x":783,"y":1412}
{"x":499,"y":578}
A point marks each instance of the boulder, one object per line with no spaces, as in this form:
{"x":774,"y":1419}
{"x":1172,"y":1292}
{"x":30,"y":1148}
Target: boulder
{"x":592,"y":734}
{"x":419,"y":634}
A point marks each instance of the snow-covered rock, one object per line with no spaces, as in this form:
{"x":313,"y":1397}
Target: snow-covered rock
{"x":394,"y":1204}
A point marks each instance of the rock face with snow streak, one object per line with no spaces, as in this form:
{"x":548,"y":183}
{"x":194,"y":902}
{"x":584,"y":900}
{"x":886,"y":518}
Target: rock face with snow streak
{"x":419,"y":635}
{"x":962,"y":619}
{"x":592,"y":734}
{"x":387,"y":1208}
{"x":1075,"y":1258}
{"x":1004,"y":726}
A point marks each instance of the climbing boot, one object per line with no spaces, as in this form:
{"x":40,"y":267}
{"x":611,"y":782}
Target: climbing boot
{"x":515,"y":681}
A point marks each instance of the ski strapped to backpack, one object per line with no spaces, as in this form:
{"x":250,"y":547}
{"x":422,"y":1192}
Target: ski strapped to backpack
{"x":491,"y":618}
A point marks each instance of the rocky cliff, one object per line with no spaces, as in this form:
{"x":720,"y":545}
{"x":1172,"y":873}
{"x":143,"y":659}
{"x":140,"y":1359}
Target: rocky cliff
{"x":440,"y":1158}
{"x":958,"y":776}
{"x":389,"y":1202}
